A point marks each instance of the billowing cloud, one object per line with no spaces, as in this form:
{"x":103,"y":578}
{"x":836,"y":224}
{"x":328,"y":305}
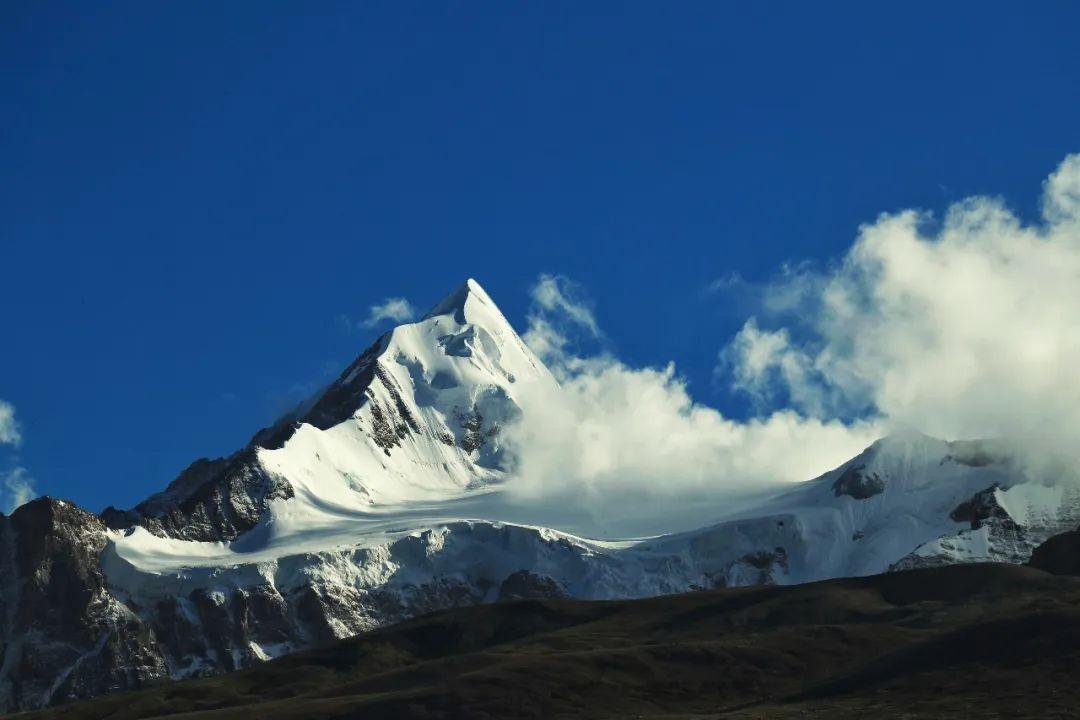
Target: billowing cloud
{"x":18,"y":488}
{"x":964,"y":327}
{"x":397,"y":309}
{"x":9,"y":427}
{"x":630,"y":450}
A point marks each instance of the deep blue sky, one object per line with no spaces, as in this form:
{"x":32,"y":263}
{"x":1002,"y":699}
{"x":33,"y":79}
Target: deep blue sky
{"x":193,"y":193}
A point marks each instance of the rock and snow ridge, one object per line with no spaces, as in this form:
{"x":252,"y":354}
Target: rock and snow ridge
{"x":380,"y":499}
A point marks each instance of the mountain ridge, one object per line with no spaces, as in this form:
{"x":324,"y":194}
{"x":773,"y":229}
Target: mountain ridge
{"x":382,"y":498}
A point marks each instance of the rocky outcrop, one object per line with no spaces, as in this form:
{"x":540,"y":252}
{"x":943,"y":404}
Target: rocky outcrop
{"x":982,"y":508}
{"x":858,"y":483}
{"x":762,"y":567}
{"x":65,"y":636}
{"x":525,"y":585}
{"x":993,"y":534}
{"x":211,"y":501}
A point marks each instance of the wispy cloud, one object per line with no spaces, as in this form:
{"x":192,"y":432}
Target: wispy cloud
{"x":18,"y":488}
{"x":396,"y":309}
{"x":560,"y":313}
{"x":10,"y":433}
{"x":16,"y":485}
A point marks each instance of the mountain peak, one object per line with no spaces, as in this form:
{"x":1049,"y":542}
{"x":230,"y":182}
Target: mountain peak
{"x":460,"y":300}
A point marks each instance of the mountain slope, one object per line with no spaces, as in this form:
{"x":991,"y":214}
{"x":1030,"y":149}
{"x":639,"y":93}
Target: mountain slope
{"x":414,"y":418}
{"x":382,"y":498}
{"x":974,"y":641}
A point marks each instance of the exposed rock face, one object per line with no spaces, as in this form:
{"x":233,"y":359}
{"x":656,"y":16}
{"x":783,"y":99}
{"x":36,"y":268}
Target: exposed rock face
{"x":982,"y":508}
{"x":993,"y":534}
{"x":65,"y":636}
{"x":762,"y":567}
{"x":858,"y":483}
{"x":211,"y":501}
{"x":525,"y":585}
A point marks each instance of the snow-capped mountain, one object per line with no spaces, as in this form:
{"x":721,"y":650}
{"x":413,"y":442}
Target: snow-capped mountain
{"x":413,"y":420}
{"x":381,"y":499}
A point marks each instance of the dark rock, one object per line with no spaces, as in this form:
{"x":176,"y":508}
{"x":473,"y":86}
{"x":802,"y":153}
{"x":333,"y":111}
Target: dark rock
{"x":981,"y":508}
{"x":759,"y":568}
{"x":64,"y":636}
{"x":212,"y":500}
{"x":763,"y":560}
{"x":857,"y":483}
{"x":215,"y":617}
{"x":263,"y":615}
{"x":327,"y":614}
{"x":474,"y":436}
{"x":181,"y":638}
{"x":525,"y":585}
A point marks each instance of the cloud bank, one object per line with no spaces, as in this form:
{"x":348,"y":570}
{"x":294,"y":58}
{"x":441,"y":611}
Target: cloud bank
{"x":397,"y":309}
{"x":629,"y":448}
{"x":964,"y":328}
{"x":967,"y":326}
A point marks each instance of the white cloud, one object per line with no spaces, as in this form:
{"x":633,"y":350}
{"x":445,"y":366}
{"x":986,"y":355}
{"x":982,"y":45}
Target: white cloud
{"x":16,"y":485}
{"x":396,"y":309}
{"x":9,"y":428}
{"x":1061,"y":194}
{"x":18,"y":488}
{"x":630,"y":450}
{"x":770,"y":369}
{"x":967,"y":328}
{"x":559,"y":314}
{"x":558,"y":294}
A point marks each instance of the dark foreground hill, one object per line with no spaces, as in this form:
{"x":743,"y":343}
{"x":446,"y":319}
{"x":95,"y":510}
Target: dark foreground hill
{"x":969,"y":641}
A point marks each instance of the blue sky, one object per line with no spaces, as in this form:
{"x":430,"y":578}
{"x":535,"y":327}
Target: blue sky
{"x":195,"y":195}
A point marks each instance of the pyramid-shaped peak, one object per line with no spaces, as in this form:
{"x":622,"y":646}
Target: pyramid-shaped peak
{"x":461,"y":299}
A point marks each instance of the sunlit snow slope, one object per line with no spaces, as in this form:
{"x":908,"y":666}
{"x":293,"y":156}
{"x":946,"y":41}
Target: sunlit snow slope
{"x":409,"y":437}
{"x":409,"y":432}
